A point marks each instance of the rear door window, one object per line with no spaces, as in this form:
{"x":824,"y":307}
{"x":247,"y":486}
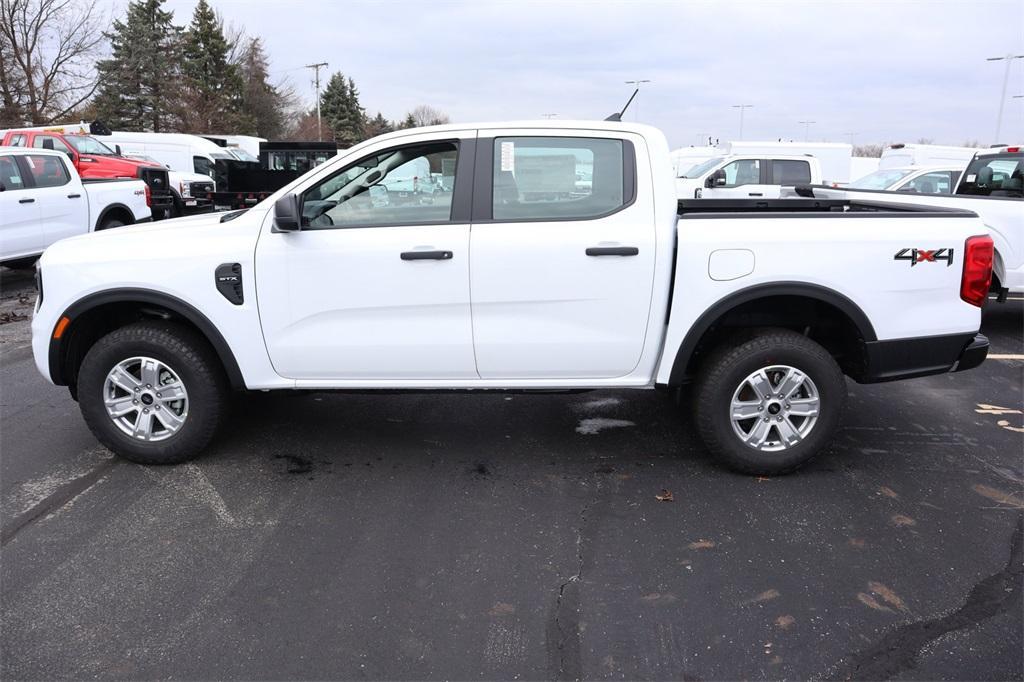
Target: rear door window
{"x":46,"y":170}
{"x":790,"y":172}
{"x":557,"y":178}
{"x":18,"y":140}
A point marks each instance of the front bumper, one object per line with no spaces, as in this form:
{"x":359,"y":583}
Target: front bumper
{"x":918,"y":357}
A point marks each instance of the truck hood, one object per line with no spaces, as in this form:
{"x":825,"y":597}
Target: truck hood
{"x":162,"y":242}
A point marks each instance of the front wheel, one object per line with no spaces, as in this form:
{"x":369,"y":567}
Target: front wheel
{"x":769,"y":404}
{"x":152,"y":392}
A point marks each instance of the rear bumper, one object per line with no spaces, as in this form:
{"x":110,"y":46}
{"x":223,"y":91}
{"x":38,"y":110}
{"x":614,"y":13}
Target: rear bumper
{"x":918,"y":357}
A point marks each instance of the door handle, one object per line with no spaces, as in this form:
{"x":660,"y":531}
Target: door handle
{"x":426,"y":255}
{"x":756,"y":194}
{"x":74,"y":196}
{"x":612,"y":251}
{"x":25,"y":201}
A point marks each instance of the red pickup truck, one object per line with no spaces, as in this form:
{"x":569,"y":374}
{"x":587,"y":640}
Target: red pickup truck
{"x":94,"y":160}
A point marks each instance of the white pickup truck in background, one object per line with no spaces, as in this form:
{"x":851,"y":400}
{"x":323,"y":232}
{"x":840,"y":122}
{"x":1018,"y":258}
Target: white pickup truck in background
{"x":764,"y":305}
{"x":923,"y":180}
{"x":43,"y":200}
{"x":992,"y":186}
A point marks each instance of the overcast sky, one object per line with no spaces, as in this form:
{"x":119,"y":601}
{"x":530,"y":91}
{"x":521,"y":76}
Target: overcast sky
{"x":884,"y":71}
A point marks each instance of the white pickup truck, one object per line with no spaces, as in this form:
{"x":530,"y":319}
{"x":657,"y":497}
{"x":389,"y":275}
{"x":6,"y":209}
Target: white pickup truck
{"x":992,"y":186}
{"x":746,"y":176}
{"x":43,"y":200}
{"x":764,"y":305}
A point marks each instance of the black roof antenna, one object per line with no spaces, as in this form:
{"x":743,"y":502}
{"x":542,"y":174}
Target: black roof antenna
{"x":617,"y":116}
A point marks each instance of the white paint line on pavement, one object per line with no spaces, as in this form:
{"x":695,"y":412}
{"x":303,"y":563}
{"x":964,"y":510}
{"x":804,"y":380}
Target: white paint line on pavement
{"x":1004,"y":356}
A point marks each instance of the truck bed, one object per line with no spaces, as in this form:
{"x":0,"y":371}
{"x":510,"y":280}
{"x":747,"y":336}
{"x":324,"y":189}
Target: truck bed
{"x":708,"y":208}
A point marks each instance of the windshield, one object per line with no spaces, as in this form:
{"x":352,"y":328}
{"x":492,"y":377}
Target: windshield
{"x":221,"y":155}
{"x":242,"y":155}
{"x":89,"y":145}
{"x":996,"y":175}
{"x":880,"y":179}
{"x":703,"y":167}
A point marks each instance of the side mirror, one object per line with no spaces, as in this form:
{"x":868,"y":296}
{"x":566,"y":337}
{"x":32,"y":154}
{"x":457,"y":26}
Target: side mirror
{"x":288,"y":213}
{"x":716,"y":179}
{"x":117,"y":150}
{"x":71,"y":154}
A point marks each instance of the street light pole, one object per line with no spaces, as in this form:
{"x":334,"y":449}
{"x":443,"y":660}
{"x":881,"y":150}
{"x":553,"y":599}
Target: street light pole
{"x":1002,"y":97}
{"x":316,"y":68}
{"x":742,"y":108}
{"x":807,"y":129}
{"x":636,"y":109}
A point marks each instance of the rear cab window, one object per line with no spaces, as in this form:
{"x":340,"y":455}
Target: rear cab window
{"x":18,"y":140}
{"x":560,"y":178}
{"x":994,"y":175}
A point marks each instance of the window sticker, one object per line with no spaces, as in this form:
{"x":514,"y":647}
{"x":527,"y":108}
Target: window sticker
{"x":508,"y":156}
{"x":971,"y":178}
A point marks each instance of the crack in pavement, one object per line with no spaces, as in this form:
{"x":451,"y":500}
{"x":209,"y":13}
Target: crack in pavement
{"x":898,"y":650}
{"x":569,"y":659}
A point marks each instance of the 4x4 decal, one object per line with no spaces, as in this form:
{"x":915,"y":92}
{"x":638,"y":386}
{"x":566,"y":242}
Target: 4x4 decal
{"x":916,"y":256}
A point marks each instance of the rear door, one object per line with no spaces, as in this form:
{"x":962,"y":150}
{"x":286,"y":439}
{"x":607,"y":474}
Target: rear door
{"x":562,"y":251}
{"x":21,"y":232}
{"x":63,"y":206}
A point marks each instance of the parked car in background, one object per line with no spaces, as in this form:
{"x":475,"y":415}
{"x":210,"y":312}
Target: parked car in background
{"x":190,"y":189}
{"x":43,"y":200}
{"x":746,"y":176}
{"x":862,"y":165}
{"x":991,"y":187}
{"x":909,"y":155}
{"x":685,"y":158}
{"x":927,"y":180}
{"x":833,"y":157}
{"x":764,"y":305}
{"x":95,"y":160}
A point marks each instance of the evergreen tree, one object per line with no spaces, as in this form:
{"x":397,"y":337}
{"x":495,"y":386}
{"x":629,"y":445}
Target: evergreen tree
{"x":409,"y":122}
{"x":212,"y":86}
{"x":378,"y":125}
{"x":341,"y":112}
{"x":262,"y":103}
{"x":138,"y":84}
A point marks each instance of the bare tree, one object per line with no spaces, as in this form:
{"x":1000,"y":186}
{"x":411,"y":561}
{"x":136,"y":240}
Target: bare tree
{"x":425,"y":115}
{"x":46,"y":56}
{"x":870,"y":150}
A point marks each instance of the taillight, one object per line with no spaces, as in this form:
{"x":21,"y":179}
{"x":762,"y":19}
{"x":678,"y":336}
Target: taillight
{"x":977,"y":275}
{"x":149,"y":196}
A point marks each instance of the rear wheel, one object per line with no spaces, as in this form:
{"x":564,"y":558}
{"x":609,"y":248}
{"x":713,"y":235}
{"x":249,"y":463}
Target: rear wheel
{"x":109,"y":223}
{"x":769,"y":404}
{"x":152,"y":392}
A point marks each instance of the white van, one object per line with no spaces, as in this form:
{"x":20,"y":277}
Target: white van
{"x":905,"y":155}
{"x":248,"y":144}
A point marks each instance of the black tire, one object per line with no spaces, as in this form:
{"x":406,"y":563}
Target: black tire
{"x":192,"y":360}
{"x":726,"y":369}
{"x":109,"y":223}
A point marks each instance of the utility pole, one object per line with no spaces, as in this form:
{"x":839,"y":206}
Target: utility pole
{"x":742,"y":108}
{"x":636,"y":109}
{"x":807,"y":128}
{"x":1002,"y":97}
{"x":316,"y":68}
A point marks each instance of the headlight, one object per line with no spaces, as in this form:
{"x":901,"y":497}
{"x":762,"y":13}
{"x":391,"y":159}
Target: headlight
{"x":185,"y":189}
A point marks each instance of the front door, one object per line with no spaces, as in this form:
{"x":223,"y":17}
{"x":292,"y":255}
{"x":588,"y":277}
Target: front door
{"x":63,"y":206}
{"x":375,"y":286}
{"x":563,"y":254}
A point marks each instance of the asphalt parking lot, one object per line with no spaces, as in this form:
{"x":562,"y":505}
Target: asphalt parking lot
{"x":516,"y":536}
